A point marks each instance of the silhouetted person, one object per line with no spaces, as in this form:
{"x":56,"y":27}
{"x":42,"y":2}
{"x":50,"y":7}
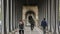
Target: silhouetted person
{"x":44,"y":24}
{"x":31,"y":21}
{"x":32,"y":24}
{"x":21,"y":27}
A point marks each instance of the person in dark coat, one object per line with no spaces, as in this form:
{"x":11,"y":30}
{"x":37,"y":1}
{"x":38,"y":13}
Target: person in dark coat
{"x":44,"y":24}
{"x":21,"y":27}
{"x":32,"y":24}
{"x":31,"y":21}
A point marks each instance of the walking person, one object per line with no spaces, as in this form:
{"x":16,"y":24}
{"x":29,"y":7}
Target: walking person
{"x":32,"y":25}
{"x":44,"y":24}
{"x":31,"y":21}
{"x":21,"y":27}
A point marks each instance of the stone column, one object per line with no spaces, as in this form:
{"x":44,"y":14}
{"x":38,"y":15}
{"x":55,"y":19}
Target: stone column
{"x":2,"y":12}
{"x":11,"y":14}
{"x":46,"y":12}
{"x":57,"y":16}
{"x":13,"y":7}
{"x":48,"y":9}
{"x":7,"y":16}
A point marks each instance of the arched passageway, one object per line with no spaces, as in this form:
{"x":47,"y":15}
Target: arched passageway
{"x":29,"y":15}
{"x":30,"y":10}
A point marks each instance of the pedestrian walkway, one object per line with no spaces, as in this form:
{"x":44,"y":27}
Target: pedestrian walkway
{"x":28,"y":31}
{"x":36,"y":30}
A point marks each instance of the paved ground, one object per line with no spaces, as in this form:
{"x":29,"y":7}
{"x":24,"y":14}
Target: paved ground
{"x":35,"y":31}
{"x":28,"y":31}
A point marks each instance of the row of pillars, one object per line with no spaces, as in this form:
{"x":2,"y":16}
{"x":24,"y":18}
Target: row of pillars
{"x":9,"y":18}
{"x":52,"y":13}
